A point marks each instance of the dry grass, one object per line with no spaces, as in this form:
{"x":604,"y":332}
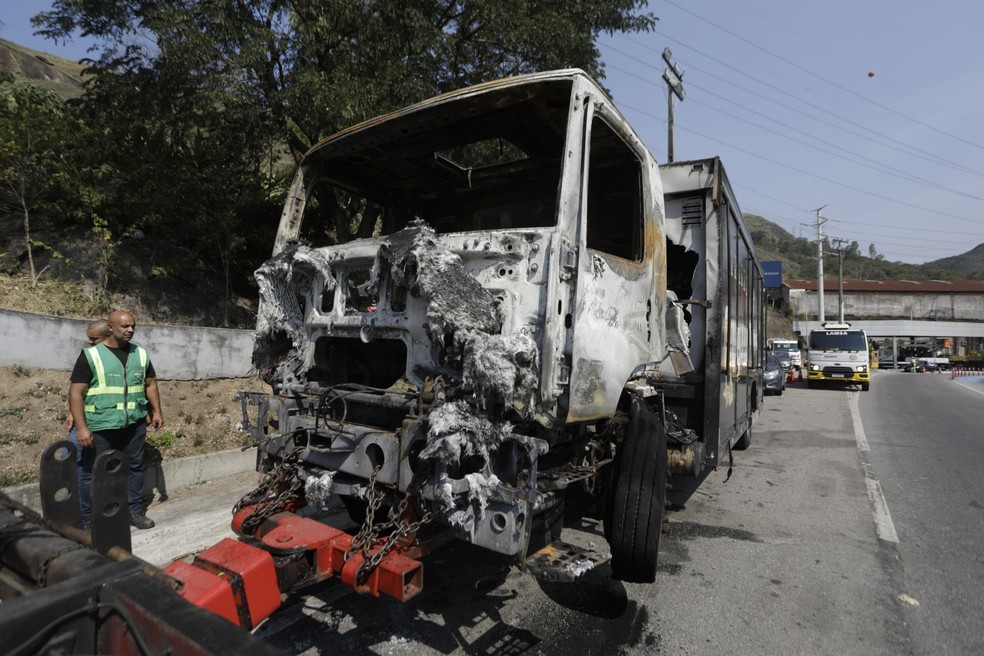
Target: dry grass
{"x":79,"y":300}
{"x":200,"y":417}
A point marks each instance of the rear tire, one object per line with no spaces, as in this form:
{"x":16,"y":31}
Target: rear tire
{"x":745,"y":440}
{"x":636,"y":499}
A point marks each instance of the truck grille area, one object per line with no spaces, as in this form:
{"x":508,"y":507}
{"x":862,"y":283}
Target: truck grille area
{"x":379,"y":363}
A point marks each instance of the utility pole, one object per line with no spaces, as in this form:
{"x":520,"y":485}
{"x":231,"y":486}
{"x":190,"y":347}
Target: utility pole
{"x":820,"y":222}
{"x":839,"y":243}
{"x":673,"y":76}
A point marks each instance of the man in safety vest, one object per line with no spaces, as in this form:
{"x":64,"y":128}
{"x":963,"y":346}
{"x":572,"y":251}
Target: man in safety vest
{"x":113,"y":397}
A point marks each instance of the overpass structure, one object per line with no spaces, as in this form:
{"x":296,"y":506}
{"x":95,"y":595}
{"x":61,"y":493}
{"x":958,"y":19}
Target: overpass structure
{"x":945,"y":317}
{"x":903,"y":328}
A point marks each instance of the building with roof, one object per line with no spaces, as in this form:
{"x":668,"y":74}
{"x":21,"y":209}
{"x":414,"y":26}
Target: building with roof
{"x":941,"y":315}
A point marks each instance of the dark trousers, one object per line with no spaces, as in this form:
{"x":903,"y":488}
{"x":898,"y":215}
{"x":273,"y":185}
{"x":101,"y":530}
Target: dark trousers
{"x":129,"y":440}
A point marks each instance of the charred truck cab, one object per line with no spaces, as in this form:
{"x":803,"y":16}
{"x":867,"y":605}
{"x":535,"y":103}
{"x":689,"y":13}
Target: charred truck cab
{"x":481,"y":309}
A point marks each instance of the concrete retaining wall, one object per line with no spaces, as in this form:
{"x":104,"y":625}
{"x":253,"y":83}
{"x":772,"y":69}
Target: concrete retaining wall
{"x":178,"y":473}
{"x":42,"y":341}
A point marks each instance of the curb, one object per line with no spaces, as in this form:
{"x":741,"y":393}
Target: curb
{"x":178,"y":473}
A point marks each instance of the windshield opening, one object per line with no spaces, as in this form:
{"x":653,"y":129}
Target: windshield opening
{"x":488,"y":162}
{"x":838,"y":340}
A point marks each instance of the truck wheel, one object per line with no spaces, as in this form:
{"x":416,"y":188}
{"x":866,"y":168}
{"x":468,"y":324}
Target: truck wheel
{"x":636,"y":497}
{"x":864,"y":386}
{"x":744,"y":441}
{"x":812,"y":384}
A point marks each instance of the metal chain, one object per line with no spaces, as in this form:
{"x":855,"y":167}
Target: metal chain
{"x":402,"y":528}
{"x":369,"y":533}
{"x":279,"y":487}
{"x":283,"y":481}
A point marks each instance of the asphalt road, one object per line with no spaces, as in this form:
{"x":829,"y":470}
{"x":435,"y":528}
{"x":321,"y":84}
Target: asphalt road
{"x":927,"y":446}
{"x":852,"y":525}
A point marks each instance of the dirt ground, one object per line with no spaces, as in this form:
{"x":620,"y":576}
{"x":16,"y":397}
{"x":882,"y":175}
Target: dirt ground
{"x":200,"y":417}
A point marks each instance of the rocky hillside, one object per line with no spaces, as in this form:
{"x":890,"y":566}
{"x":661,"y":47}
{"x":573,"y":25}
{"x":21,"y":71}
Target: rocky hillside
{"x":62,"y":76}
{"x":799,"y":258}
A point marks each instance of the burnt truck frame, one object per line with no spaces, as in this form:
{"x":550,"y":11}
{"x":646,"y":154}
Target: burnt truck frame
{"x":493,"y":304}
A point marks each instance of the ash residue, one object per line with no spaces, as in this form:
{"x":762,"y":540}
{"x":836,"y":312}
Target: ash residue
{"x":283,"y":280}
{"x":457,"y":303}
{"x":498,"y":370}
{"x":279,"y":305}
{"x":693,"y":530}
{"x":461,"y":512}
{"x":456,"y":432}
{"x":502,"y":370}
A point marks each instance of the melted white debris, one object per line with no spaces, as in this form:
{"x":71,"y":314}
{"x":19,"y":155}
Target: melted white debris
{"x":462,"y":322}
{"x":579,"y":567}
{"x":480,"y":488}
{"x":317,"y":489}
{"x":501,"y":369}
{"x":280,"y":312}
{"x":457,"y":432}
{"x":457,"y":304}
{"x":279,"y":307}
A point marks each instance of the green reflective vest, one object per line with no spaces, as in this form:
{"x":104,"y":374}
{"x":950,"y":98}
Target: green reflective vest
{"x":116,"y":396}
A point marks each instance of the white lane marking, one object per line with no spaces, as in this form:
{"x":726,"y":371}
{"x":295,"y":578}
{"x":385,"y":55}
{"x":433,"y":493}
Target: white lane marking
{"x":859,"y":435}
{"x":966,"y":386}
{"x":884,"y":526}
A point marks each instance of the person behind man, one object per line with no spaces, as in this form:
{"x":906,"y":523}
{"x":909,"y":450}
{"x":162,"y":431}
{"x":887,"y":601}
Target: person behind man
{"x":113,"y":386}
{"x":95,"y":333}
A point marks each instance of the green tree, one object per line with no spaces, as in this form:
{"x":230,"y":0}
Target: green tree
{"x":199,"y":110}
{"x":310,"y":68}
{"x":34,"y":124}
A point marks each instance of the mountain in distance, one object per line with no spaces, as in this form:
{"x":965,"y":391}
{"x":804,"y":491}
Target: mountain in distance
{"x":799,"y":258}
{"x":63,"y":76}
{"x":970,"y":265}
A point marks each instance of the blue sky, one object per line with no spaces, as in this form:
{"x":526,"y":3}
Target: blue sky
{"x":782,"y":91}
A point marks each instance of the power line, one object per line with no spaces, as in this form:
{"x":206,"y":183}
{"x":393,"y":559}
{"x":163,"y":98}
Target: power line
{"x":836,"y":54}
{"x":823,"y":79}
{"x":814,"y":175}
{"x":894,"y":144}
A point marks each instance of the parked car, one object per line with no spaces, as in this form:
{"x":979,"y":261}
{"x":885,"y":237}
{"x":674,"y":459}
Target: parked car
{"x":775,"y":375}
{"x":790,"y":370}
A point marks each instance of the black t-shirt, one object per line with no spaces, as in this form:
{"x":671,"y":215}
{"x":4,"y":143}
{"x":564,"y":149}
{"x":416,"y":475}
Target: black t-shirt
{"x":82,"y":373}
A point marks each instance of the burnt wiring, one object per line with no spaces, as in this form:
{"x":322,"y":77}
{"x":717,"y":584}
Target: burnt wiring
{"x":678,"y":432}
{"x":339,"y":392}
{"x":675,"y":430}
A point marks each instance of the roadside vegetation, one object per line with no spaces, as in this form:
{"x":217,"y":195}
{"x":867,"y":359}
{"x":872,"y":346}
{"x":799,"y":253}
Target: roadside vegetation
{"x":163,"y":173}
{"x":201,"y":416}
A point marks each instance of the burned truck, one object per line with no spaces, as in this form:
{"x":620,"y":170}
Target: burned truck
{"x":494,"y":307}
